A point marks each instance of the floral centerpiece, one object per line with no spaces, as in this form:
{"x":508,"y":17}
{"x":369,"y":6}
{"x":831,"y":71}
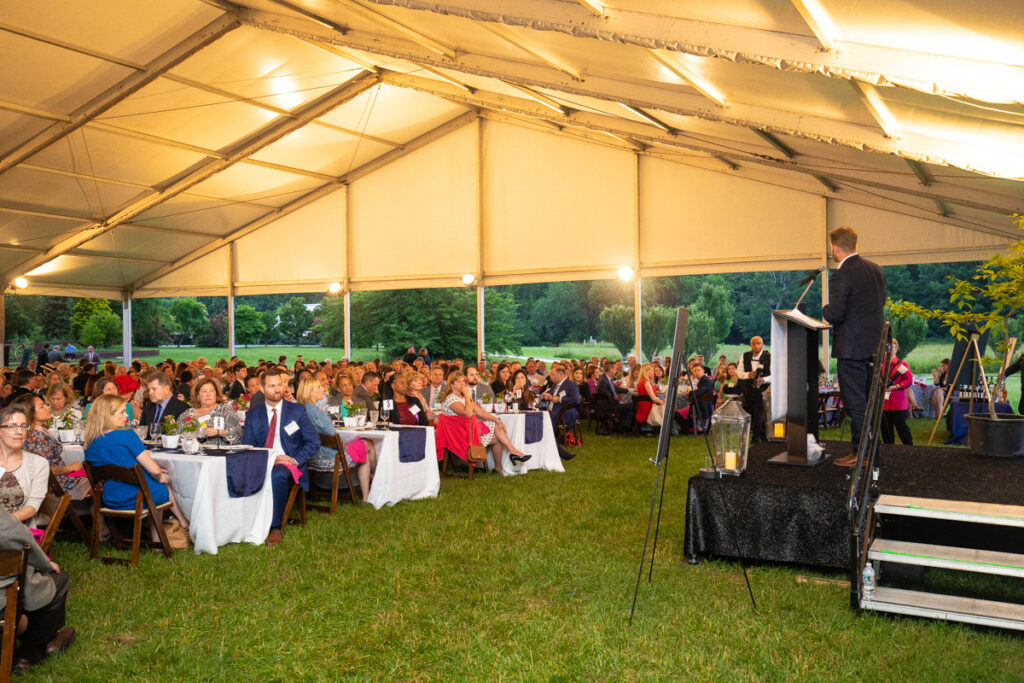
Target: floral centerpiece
{"x":242,"y":403}
{"x":190,"y":427}
{"x":169,"y":425}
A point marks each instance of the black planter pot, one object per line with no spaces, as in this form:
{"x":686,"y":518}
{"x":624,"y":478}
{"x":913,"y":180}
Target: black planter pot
{"x":1002,"y":438}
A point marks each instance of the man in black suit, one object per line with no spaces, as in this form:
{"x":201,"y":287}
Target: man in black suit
{"x":606,"y":387}
{"x":564,"y":396}
{"x":162,"y":402}
{"x":856,"y":299}
{"x":754,"y":372}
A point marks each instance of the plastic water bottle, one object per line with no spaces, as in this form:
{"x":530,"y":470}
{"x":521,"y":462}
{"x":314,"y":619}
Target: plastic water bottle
{"x":868,"y":582}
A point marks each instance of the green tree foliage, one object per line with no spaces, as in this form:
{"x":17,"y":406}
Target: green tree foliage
{"x":270,"y":335}
{"x":658,"y":324}
{"x":215,"y":333}
{"x":716,"y":301}
{"x":330,"y":325}
{"x":82,"y":311}
{"x":55,"y":317}
{"x":500,"y":325}
{"x":294,"y":321}
{"x":557,"y":316}
{"x":701,"y":335}
{"x":908,"y":330}
{"x":21,"y":314}
{"x":191,"y":317}
{"x":103,"y":328}
{"x":152,"y":322}
{"x":617,"y":327}
{"x":249,"y":326}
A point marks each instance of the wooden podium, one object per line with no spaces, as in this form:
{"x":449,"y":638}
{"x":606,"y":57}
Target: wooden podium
{"x":795,"y":342}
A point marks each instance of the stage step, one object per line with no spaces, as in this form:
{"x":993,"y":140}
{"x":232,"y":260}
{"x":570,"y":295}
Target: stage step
{"x":947,"y":557}
{"x":956,"y":510}
{"x":947,"y":607}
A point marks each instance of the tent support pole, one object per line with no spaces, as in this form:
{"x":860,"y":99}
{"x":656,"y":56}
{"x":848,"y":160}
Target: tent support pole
{"x":232,"y":260}
{"x":479,"y":322}
{"x":637,"y":300}
{"x":3,"y":323}
{"x":126,"y":329}
{"x":348,"y":325}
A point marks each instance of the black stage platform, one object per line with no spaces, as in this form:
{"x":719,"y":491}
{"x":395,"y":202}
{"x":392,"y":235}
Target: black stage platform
{"x":798,"y":514}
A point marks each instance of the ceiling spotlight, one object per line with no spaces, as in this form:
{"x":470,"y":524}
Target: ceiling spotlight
{"x":20,"y":282}
{"x":334,"y":287}
{"x":625,"y":273}
{"x":468,"y":279}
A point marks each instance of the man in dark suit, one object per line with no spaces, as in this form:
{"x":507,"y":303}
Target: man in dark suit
{"x":607,"y":388}
{"x":856,"y":299}
{"x":754,"y":370}
{"x":564,"y":396}
{"x":162,"y":401}
{"x":286,"y":430}
{"x":366,"y":389}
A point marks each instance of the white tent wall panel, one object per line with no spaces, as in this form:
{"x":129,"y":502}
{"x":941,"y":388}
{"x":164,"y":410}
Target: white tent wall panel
{"x":413,"y":223}
{"x":553,"y":203}
{"x":894,"y":239}
{"x":302,"y":251}
{"x":206,"y":276}
{"x":698,"y":221}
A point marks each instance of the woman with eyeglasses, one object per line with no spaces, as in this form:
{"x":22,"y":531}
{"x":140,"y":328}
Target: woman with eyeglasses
{"x":26,"y":476}
{"x":42,"y":443}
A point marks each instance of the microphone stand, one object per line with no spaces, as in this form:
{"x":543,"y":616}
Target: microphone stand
{"x":814,"y":277}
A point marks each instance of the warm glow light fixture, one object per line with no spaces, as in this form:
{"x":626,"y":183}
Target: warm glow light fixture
{"x":626,"y":273}
{"x":334,"y":287}
{"x":468,"y":279}
{"x":20,"y":282}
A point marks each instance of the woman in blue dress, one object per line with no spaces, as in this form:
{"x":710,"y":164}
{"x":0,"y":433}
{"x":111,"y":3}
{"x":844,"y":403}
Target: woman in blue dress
{"x":107,"y":443}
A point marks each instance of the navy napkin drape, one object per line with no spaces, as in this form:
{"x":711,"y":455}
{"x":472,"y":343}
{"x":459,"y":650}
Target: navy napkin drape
{"x":534,"y":427}
{"x":412,"y":445}
{"x":246,"y":470}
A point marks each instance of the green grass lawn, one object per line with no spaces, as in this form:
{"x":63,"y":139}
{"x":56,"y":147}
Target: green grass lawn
{"x":527,"y":578}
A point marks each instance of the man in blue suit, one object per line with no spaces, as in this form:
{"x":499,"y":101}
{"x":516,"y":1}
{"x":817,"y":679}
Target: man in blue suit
{"x":285,"y":429}
{"x":564,"y":396}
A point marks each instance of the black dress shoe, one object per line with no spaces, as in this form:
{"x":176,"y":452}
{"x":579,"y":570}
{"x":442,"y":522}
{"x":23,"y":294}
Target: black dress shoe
{"x":517,"y":459}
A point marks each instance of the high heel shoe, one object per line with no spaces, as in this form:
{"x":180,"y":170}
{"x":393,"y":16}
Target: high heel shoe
{"x":519,"y":459}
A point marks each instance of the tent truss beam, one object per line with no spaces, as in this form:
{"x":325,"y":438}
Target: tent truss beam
{"x":234,"y":153}
{"x":308,"y":198}
{"x":130,"y":85}
{"x":368,"y":11}
{"x":780,"y":50}
{"x":532,"y":47}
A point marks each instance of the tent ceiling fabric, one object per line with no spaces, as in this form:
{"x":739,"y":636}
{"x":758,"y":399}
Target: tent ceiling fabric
{"x":523,"y":141}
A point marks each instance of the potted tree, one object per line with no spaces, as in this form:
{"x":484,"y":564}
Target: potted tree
{"x":988,"y":301}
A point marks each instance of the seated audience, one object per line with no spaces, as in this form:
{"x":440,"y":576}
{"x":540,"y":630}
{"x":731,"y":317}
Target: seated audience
{"x":519,"y":391}
{"x":61,"y":402}
{"x":208,"y":404}
{"x":26,"y":476}
{"x":563,"y":397}
{"x":648,"y":403}
{"x":162,"y":401}
{"x":41,"y":442}
{"x":408,"y":409}
{"x":502,"y":374}
{"x":366,"y":389}
{"x":701,"y":397}
{"x":458,"y":401}
{"x":729,"y":385}
{"x":606,"y":387}
{"x":107,"y":444}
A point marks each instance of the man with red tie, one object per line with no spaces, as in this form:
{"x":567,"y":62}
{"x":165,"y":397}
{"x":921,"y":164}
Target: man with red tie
{"x":286,"y":430}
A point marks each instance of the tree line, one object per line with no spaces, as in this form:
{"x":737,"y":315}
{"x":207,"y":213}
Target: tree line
{"x":724,"y":308}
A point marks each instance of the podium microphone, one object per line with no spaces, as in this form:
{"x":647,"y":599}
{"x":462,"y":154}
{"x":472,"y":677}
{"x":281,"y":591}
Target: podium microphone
{"x":812,"y":276}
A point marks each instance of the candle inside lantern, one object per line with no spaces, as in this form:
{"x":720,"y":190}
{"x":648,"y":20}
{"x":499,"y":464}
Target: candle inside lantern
{"x":730,"y":460}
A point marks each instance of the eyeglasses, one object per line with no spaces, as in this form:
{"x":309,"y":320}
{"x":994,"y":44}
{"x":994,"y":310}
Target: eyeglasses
{"x":15,"y":426}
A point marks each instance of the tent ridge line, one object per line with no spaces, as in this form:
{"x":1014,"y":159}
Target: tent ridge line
{"x":800,"y":50}
{"x":166,"y":61}
{"x":309,"y":197}
{"x":584,"y":120}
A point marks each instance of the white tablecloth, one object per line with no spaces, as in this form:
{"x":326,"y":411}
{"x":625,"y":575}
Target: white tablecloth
{"x":544,"y":452}
{"x":395,"y":480}
{"x":200,"y":487}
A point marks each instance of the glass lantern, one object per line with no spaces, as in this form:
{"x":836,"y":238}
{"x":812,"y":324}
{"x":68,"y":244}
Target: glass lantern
{"x":730,"y":431}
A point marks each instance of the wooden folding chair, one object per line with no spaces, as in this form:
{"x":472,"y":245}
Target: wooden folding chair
{"x":76,"y":520}
{"x":144,"y":508}
{"x":296,"y":490}
{"x":610,"y":420}
{"x":446,"y":454}
{"x":340,"y":467}
{"x":12,"y":563}
{"x":52,"y":507}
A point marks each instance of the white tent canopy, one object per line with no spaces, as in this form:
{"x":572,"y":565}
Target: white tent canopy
{"x":192,"y":148}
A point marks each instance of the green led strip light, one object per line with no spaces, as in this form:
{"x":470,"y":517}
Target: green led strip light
{"x":946,"y":559}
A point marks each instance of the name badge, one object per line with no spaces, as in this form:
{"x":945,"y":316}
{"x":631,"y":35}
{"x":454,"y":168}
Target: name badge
{"x":415,"y":410}
{"x":291,"y":428}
